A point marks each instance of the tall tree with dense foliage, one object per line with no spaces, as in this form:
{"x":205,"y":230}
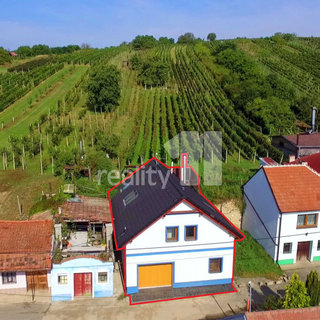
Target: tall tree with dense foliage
{"x":144,"y":42}
{"x":153,"y":73}
{"x":165,"y":40}
{"x":313,"y":287}
{"x":38,"y":49}
{"x":296,"y":294}
{"x":211,"y":36}
{"x":4,"y":56}
{"x":187,"y":38}
{"x":104,"y":88}
{"x":24,"y":51}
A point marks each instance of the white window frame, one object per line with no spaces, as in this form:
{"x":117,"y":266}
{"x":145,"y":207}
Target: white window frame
{"x":61,"y":275}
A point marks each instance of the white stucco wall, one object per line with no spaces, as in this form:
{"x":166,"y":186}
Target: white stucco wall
{"x":190,"y":265}
{"x":258,"y":196}
{"x":290,"y":233}
{"x":21,"y":282}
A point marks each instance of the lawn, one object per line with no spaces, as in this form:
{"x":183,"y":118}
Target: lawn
{"x":21,"y":125}
{"x":251,"y":260}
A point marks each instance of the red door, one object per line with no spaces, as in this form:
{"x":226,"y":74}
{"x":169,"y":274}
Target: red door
{"x":303,"y":250}
{"x":82,"y":284}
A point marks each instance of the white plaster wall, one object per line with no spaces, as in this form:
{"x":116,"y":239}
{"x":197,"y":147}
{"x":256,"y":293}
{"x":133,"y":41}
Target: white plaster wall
{"x":49,"y":278}
{"x":21,"y":282}
{"x":154,"y":237}
{"x":258,"y":191}
{"x":290,"y":233}
{"x":188,"y":266}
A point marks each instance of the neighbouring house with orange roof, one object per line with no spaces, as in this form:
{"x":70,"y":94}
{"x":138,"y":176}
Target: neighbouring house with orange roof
{"x":282,"y":212}
{"x":25,"y":254}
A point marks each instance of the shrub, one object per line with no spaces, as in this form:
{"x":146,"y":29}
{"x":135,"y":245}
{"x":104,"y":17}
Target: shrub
{"x":313,"y":287}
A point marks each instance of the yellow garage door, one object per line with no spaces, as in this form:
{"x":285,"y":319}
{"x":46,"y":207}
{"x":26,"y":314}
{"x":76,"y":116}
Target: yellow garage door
{"x":158,"y":275}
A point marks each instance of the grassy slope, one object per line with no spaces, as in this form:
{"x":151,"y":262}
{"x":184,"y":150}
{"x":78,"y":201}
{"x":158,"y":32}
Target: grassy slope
{"x":252,"y":260}
{"x":28,"y":185}
{"x":47,"y":102}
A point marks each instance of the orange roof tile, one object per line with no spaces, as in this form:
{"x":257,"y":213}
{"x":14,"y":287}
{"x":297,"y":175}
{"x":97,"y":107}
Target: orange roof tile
{"x":290,"y":314}
{"x":89,"y":209}
{"x":25,"y":245}
{"x":295,"y":188}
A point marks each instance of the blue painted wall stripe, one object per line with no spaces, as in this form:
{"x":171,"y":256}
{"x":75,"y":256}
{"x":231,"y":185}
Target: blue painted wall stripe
{"x":174,"y":252}
{"x":201,"y":283}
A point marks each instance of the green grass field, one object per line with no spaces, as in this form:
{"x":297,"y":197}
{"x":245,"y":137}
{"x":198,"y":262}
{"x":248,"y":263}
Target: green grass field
{"x":52,"y":90}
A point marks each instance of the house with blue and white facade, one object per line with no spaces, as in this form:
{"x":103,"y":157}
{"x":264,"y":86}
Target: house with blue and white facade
{"x":171,"y":236}
{"x":81,"y":276}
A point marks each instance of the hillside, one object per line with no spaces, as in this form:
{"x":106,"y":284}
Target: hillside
{"x":247,"y":88}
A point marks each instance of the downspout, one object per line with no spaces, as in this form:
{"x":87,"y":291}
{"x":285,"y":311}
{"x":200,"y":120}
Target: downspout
{"x":279,"y":237}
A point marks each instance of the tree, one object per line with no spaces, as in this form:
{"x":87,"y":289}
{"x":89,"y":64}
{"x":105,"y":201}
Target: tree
{"x":211,"y":37}
{"x":24,"y":51}
{"x":4,"y":56}
{"x":153,"y":73}
{"x":187,"y":38}
{"x":313,"y":287}
{"x":104,"y":88}
{"x":165,"y":40}
{"x":38,"y":49}
{"x":144,"y":42}
{"x":296,"y":294}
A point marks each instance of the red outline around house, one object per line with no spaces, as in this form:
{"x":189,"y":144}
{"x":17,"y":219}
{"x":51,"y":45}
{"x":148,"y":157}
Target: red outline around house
{"x":124,"y":248}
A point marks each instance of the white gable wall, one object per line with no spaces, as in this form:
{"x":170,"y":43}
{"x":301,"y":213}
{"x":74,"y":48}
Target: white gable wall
{"x":259,"y":198}
{"x":190,"y":259}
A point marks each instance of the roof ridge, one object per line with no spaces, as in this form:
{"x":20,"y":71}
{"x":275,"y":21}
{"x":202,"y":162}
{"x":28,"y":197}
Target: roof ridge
{"x":295,"y":165}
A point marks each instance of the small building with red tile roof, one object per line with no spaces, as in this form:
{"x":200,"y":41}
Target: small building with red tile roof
{"x":300,"y":145}
{"x":282,"y":212}
{"x":89,"y":218}
{"x":25,"y":253}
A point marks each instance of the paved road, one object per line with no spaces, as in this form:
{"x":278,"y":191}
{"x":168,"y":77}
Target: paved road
{"x":209,"y":307}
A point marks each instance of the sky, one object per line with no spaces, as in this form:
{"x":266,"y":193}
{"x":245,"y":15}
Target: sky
{"x":103,"y":23}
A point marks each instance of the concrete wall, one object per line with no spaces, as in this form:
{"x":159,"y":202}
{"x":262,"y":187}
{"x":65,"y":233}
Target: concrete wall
{"x":190,"y":259}
{"x":21,"y":282}
{"x":81,"y":265}
{"x":261,"y":203}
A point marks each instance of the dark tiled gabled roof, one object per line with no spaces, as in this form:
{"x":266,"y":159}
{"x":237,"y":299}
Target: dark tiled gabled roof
{"x":305,"y":139}
{"x":151,"y":201}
